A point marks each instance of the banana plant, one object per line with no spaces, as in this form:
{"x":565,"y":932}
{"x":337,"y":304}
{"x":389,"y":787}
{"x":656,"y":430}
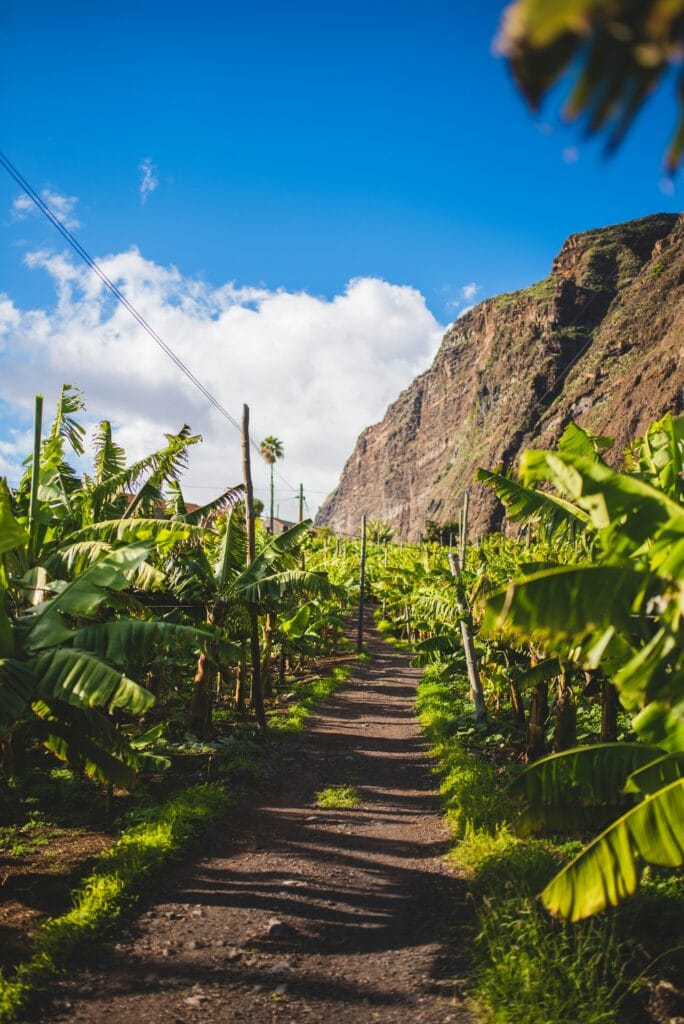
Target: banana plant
{"x":622,"y":613}
{"x":61,"y":666}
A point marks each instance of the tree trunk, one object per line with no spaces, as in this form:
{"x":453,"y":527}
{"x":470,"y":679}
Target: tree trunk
{"x":266,"y":673}
{"x":199,"y":712}
{"x":609,"y":712}
{"x":517,"y":705}
{"x":535,"y":745}
{"x":565,"y":729}
{"x":240,"y":677}
{"x":281,"y":669}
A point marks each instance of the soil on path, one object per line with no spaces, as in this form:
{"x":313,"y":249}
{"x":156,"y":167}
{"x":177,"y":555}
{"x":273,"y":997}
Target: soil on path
{"x":300,"y":914}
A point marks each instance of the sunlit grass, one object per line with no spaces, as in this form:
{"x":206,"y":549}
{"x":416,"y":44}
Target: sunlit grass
{"x":309,"y":697}
{"x":119,"y":875}
{"x":338,"y":797}
{"x":525,"y":965}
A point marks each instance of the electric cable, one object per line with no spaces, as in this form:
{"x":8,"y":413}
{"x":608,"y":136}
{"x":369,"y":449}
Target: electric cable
{"x":121,"y":297}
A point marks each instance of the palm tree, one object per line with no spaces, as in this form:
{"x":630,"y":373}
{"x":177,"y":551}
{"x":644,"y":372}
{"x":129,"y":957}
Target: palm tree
{"x":271,"y":449}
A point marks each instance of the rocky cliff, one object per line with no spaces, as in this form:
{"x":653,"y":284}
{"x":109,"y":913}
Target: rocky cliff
{"x":600,"y":341}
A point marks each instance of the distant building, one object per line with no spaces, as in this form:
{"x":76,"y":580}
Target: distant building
{"x":279,"y":525}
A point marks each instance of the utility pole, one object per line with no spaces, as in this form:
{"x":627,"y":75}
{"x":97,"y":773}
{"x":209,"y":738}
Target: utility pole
{"x":301,"y":502}
{"x":362,"y":574}
{"x":257,"y":695}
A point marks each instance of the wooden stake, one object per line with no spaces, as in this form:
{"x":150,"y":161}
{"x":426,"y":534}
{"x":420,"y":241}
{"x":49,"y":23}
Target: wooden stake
{"x":362,"y":573}
{"x":35,"y":475}
{"x":257,"y":695}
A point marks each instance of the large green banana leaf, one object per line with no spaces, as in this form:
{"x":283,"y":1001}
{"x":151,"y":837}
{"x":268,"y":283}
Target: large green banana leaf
{"x":608,"y":870}
{"x":79,"y":678}
{"x":568,"y":603}
{"x":657,"y":774}
{"x":127,"y":642}
{"x":525,"y":504}
{"x":12,"y":535}
{"x":590,"y":774}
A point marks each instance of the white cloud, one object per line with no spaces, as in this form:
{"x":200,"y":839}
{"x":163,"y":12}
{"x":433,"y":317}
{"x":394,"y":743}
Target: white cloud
{"x":314,"y":371}
{"x":469,"y":291}
{"x":62,"y":206}
{"x":149,"y":180}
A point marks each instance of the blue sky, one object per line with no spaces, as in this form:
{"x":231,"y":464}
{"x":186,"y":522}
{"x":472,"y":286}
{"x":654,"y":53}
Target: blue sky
{"x":294,"y":146}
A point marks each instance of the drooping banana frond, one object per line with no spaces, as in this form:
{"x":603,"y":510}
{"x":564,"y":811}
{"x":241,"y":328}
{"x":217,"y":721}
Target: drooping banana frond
{"x":587,"y":775}
{"x":525,"y":505}
{"x":83,"y":680}
{"x":608,"y":869}
{"x":259,"y":589}
{"x":657,"y":774}
{"x":160,"y":467}
{"x":110,"y":458}
{"x":88,"y":738}
{"x":160,"y":533}
{"x":135,"y":642}
{"x":233,"y":557}
{"x":226,"y":500}
{"x":569,"y":603}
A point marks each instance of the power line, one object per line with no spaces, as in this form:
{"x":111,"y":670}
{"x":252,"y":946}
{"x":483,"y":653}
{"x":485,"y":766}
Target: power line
{"x":121,"y":297}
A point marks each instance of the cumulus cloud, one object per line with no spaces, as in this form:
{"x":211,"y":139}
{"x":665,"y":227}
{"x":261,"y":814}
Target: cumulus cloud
{"x":62,"y":206}
{"x":315,"y":371}
{"x":149,"y":180}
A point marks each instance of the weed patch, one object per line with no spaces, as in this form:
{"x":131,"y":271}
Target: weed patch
{"x":338,"y":797}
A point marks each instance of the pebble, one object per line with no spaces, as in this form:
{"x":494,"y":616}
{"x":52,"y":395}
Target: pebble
{"x":276,"y":929}
{"x":194,"y":944}
{"x":280,"y":990}
{"x":195,"y":1000}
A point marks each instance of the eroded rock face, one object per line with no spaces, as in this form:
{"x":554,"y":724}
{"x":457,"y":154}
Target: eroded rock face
{"x":600,"y":341}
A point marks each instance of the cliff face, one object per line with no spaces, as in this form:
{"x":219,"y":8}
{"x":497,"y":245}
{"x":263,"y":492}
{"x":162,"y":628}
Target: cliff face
{"x":600,"y":341}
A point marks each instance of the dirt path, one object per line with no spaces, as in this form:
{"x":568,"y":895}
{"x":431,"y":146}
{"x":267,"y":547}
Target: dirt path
{"x":300,"y":914}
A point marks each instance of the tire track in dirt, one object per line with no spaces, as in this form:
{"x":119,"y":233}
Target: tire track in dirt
{"x":300,"y":914}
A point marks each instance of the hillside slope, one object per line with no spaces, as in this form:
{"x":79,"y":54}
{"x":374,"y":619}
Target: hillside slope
{"x":599,"y":341}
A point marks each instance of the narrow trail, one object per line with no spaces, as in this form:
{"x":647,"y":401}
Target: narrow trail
{"x":301,"y":914}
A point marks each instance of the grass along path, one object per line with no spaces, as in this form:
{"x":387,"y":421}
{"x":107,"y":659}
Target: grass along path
{"x":298,"y":912}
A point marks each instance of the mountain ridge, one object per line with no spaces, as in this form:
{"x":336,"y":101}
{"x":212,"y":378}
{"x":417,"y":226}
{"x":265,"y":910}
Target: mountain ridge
{"x":600,"y":340}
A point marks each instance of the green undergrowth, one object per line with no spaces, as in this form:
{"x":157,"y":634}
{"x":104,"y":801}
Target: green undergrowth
{"x":118,"y":877}
{"x":155,"y":834}
{"x":528,"y":966}
{"x":309,"y":696}
{"x":338,"y":798}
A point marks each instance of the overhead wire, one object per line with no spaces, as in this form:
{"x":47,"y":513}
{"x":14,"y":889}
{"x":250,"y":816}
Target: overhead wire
{"x":73,"y":242}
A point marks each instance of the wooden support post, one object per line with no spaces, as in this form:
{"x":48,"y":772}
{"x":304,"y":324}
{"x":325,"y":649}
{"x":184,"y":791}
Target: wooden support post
{"x":362,"y":574}
{"x":476,"y":691}
{"x":35,"y":476}
{"x":257,"y":695}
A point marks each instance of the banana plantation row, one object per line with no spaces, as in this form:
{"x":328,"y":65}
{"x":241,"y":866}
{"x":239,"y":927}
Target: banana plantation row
{"x":128,"y":622}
